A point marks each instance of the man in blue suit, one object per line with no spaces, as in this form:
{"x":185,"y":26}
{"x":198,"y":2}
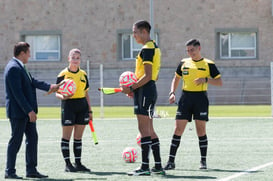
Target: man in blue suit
{"x":21,"y":107}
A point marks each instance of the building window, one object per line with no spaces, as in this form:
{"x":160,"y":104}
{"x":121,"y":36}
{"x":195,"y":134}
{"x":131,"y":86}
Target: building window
{"x":128,"y":47}
{"x":43,"y":46}
{"x":237,"y":45}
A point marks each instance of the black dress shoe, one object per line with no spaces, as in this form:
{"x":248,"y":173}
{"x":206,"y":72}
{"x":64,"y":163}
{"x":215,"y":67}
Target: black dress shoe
{"x":36,"y":175}
{"x":12,"y":176}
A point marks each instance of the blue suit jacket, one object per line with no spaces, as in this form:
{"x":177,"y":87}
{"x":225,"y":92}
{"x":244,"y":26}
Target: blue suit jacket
{"x":21,"y":91}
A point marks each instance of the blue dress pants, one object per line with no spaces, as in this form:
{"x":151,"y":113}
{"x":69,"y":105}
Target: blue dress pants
{"x":19,"y":127}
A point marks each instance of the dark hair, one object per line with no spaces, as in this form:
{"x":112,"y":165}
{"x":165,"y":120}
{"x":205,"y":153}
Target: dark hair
{"x":19,"y":47}
{"x":193,"y":42}
{"x":142,"y":24}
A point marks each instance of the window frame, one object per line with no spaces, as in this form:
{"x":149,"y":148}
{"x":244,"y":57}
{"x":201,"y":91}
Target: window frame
{"x":218,"y":48}
{"x":23,"y":35}
{"x":120,"y":52}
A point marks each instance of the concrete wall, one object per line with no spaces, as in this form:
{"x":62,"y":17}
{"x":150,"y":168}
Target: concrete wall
{"x":92,"y":26}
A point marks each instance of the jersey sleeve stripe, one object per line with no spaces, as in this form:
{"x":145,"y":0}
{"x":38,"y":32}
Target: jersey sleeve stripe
{"x":177,"y":75}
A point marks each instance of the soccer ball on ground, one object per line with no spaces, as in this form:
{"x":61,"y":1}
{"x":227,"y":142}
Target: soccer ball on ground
{"x":68,"y":88}
{"x":138,"y":139}
{"x":127,"y":79}
{"x":129,"y":154}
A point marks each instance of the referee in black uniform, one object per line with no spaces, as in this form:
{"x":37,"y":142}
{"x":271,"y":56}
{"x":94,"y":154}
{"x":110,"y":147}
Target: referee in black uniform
{"x":196,"y":73}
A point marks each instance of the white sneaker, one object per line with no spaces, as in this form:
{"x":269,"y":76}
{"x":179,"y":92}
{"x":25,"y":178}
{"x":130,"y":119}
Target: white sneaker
{"x":140,"y":172}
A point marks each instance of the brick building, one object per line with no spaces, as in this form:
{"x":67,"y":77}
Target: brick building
{"x":236,"y":34}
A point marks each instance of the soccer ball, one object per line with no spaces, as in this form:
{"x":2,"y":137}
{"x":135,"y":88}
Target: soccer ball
{"x":129,"y":154}
{"x":127,"y":79}
{"x":138,"y":139}
{"x":68,"y":88}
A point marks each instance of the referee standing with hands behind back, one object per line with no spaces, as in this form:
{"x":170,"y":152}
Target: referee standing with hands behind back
{"x":196,"y":73}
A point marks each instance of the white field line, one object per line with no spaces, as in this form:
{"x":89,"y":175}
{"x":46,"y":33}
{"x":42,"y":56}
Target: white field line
{"x":247,"y":171}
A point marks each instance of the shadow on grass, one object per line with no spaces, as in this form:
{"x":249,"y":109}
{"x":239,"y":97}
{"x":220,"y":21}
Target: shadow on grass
{"x":189,"y":177}
{"x":233,"y":171}
{"x":91,"y":176}
{"x":49,"y":179}
{"x":52,"y":179}
{"x":220,"y":170}
{"x":108,"y":173}
{"x":205,"y":177}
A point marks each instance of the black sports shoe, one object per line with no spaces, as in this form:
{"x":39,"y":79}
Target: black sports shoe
{"x":70,"y":168}
{"x":81,"y":168}
{"x":158,"y":171}
{"x":203,"y":165}
{"x":140,"y":172}
{"x":169,"y":166}
{"x":12,"y":176}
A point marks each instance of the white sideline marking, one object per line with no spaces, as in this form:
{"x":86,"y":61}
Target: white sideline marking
{"x":247,"y":171}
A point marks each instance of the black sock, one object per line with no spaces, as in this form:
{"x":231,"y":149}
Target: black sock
{"x":145,"y":150}
{"x":77,"y":148}
{"x":156,"y":152}
{"x":65,"y":151}
{"x":203,"y":145}
{"x":174,"y":146}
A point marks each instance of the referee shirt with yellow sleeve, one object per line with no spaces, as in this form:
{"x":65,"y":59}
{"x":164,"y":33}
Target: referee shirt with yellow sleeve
{"x":189,"y":70}
{"x":145,"y":97}
{"x":150,"y":53}
{"x":80,"y":79}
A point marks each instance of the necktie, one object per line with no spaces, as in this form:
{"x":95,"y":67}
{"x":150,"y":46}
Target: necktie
{"x":27,"y":72}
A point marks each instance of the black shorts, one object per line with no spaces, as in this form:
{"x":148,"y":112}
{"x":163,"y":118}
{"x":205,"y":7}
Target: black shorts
{"x":75,"y":111}
{"x":193,"y":104}
{"x":145,"y":98}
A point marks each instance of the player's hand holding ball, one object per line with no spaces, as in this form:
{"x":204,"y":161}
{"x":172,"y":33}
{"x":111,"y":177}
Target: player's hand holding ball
{"x":126,"y":80}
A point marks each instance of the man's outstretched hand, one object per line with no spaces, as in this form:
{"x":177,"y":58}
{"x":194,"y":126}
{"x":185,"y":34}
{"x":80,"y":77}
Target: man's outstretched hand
{"x":55,"y":87}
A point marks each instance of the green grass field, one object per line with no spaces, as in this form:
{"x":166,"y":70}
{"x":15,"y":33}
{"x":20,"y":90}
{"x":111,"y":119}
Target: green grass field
{"x":240,"y":147}
{"x":166,"y":111}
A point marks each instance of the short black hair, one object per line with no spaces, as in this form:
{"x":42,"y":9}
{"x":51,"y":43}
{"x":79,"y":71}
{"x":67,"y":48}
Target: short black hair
{"x":143,"y":24}
{"x":193,"y":42}
{"x":19,"y":47}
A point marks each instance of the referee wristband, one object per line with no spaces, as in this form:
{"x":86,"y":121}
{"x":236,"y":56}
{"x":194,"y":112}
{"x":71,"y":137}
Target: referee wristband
{"x":171,"y":93}
{"x":90,"y":112}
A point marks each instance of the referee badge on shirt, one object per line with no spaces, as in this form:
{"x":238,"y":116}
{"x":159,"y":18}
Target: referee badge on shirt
{"x":185,"y":72}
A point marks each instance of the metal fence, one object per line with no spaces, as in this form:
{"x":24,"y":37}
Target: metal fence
{"x":241,"y":86}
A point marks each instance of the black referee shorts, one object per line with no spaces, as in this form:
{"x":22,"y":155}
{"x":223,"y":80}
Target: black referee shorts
{"x":75,"y":111}
{"x":145,"y":98}
{"x":193,"y":104}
